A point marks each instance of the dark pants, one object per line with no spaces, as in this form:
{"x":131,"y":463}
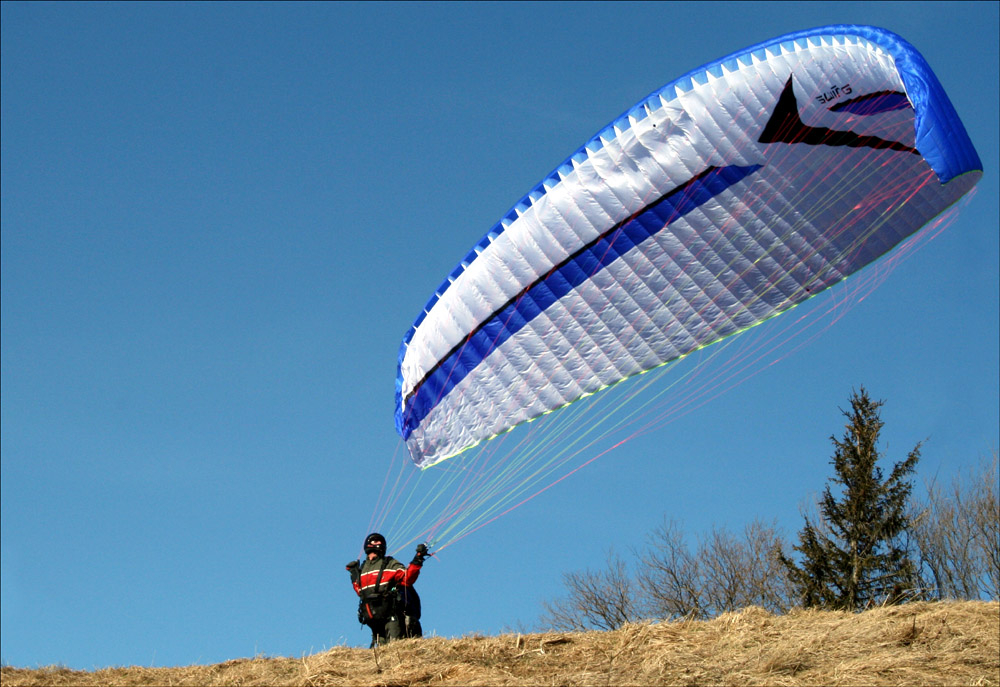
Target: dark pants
{"x":384,"y":631}
{"x":410,"y":601}
{"x":413,"y":628}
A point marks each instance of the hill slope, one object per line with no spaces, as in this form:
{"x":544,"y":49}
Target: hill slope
{"x":919,"y":643}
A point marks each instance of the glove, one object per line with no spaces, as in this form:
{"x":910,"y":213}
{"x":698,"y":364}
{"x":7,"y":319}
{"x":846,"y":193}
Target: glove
{"x":355,"y":570}
{"x":352,"y":564}
{"x":422,"y":553}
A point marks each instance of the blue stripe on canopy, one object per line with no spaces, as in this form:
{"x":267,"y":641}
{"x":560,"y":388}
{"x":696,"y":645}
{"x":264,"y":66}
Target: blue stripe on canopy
{"x":571,"y":273}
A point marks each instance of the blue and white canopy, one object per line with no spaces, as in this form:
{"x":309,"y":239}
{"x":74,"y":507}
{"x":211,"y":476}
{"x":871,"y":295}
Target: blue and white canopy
{"x":721,"y":200}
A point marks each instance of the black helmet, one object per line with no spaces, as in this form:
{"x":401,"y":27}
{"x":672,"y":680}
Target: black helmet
{"x":375,"y":543}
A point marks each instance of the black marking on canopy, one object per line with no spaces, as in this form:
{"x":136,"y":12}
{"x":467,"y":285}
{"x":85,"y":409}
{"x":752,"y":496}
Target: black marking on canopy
{"x":786,"y":126}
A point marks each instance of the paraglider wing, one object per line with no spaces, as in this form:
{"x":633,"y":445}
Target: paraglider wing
{"x":719,"y":201}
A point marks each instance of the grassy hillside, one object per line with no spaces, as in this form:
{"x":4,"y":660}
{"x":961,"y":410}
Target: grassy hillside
{"x":914,"y":644}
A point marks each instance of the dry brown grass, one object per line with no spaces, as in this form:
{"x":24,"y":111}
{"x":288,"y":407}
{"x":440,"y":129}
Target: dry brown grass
{"x":913,"y":644}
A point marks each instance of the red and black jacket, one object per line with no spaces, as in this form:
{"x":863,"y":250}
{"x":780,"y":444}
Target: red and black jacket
{"x":376,"y":582}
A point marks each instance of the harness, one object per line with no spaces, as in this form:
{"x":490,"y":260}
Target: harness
{"x":375,"y":605}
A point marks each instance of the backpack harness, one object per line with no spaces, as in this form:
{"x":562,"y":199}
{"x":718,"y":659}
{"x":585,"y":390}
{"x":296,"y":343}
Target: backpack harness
{"x":382,"y":610}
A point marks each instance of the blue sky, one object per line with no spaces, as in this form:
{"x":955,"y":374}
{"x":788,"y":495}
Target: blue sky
{"x":218,"y":221}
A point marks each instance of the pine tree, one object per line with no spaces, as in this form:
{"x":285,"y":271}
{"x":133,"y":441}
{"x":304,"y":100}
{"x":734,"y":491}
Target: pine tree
{"x":855,"y":556}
